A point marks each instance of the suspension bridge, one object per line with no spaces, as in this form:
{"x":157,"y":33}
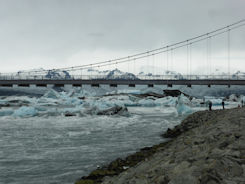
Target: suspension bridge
{"x":163,"y":57}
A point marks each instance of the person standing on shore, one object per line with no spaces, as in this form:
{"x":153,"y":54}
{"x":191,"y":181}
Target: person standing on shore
{"x":223,"y":104}
{"x":210,"y":105}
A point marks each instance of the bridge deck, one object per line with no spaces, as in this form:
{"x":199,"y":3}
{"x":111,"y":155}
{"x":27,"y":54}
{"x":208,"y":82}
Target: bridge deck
{"x":120,"y":82}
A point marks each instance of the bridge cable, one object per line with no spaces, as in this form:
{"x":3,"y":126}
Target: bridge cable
{"x":173,"y":47}
{"x":181,"y":42}
{"x":159,"y":49}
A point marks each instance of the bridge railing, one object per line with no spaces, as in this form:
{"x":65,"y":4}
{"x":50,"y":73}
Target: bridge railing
{"x":124,"y":77}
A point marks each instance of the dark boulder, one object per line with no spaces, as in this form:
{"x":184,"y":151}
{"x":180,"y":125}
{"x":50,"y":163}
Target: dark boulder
{"x":174,"y":93}
{"x":113,"y":111}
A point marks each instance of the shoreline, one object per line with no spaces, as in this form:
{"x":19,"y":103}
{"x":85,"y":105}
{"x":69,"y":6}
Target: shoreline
{"x":120,"y":165}
{"x":182,"y":138}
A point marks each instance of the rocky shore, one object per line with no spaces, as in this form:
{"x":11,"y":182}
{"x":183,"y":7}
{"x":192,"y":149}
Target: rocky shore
{"x":206,"y":148}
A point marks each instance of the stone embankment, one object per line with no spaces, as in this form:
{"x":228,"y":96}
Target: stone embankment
{"x":206,"y":148}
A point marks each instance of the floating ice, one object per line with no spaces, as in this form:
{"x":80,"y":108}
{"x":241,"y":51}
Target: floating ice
{"x":215,"y":101}
{"x":233,"y":98}
{"x":181,"y":107}
{"x":6,"y":112}
{"x":51,"y":94}
{"x":25,"y":112}
{"x":184,"y":109}
{"x":3,"y":102}
{"x":166,"y":101}
{"x":146,"y":102}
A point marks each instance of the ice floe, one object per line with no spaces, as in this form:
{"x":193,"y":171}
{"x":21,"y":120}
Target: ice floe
{"x":82,"y":102}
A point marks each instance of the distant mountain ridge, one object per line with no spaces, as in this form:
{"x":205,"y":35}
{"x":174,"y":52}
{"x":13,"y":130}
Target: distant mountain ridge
{"x":118,"y":74}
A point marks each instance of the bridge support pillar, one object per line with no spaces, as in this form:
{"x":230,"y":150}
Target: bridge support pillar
{"x":95,"y":85}
{"x":189,"y":85}
{"x":76,"y":85}
{"x":6,"y":85}
{"x":209,"y":85}
{"x":113,"y":85}
{"x":23,"y":85}
{"x":131,"y":85}
{"x":41,"y":85}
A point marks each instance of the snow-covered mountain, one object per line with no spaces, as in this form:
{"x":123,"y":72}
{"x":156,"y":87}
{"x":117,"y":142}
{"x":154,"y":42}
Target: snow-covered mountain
{"x":118,"y":74}
{"x":88,"y":73}
{"x":52,"y":74}
{"x":166,"y":73}
{"x":46,"y":74}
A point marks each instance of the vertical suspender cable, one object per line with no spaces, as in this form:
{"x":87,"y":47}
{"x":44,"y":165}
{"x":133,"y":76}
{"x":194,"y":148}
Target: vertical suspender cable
{"x":210,"y":55}
{"x":134,"y":67}
{"x":207,"y":55}
{"x":228,"y":50}
{"x":187,"y":59}
{"x":190,"y":60}
{"x":153,"y":63}
{"x":167,"y":57}
{"x":128,"y":65}
{"x":171,"y":59}
{"x":148,"y":64}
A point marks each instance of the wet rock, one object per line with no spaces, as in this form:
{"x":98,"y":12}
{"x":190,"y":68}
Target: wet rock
{"x":151,"y":94}
{"x":112,"y":111}
{"x":206,"y":148}
{"x":69,"y":114}
{"x":174,"y":93}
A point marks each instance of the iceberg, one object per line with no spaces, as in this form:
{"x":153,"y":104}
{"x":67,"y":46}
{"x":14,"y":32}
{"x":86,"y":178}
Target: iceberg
{"x":25,"y":112}
{"x":146,"y":102}
{"x":166,"y":101}
{"x":181,"y":106}
{"x":6,"y":112}
{"x":184,"y":109}
{"x":233,"y":98}
{"x":52,"y":94}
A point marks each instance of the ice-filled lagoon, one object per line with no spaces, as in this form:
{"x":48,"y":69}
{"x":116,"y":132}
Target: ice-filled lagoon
{"x":60,"y":137}
{"x":60,"y":150}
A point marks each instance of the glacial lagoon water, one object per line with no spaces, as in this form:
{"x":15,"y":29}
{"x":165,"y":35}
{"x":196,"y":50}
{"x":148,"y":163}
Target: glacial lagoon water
{"x":62,"y":149}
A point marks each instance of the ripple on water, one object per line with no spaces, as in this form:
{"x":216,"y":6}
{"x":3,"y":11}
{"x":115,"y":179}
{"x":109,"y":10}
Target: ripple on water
{"x":57,"y":149}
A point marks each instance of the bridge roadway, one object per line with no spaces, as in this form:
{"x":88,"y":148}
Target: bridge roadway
{"x":115,"y":82}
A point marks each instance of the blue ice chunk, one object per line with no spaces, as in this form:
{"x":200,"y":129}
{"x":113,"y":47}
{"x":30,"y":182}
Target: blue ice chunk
{"x":25,"y":112}
{"x":6,"y":112}
{"x":184,"y":109}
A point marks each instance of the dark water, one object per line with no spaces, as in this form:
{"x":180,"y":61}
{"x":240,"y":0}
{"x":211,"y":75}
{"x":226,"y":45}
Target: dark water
{"x":61,"y":150}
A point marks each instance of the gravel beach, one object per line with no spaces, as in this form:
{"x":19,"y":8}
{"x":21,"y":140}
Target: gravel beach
{"x":208,"y":147}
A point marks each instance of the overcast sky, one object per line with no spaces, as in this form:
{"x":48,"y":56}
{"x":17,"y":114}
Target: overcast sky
{"x":60,"y":33}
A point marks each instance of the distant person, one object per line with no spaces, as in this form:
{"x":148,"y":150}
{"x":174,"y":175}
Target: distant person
{"x":223,"y":104}
{"x":210,"y":105}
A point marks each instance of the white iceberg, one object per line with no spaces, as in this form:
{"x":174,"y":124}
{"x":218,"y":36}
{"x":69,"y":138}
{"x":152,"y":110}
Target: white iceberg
{"x":25,"y":112}
{"x":52,"y":94}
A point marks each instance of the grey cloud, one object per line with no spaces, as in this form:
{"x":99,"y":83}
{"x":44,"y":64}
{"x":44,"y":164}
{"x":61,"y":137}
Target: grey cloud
{"x":57,"y":29}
